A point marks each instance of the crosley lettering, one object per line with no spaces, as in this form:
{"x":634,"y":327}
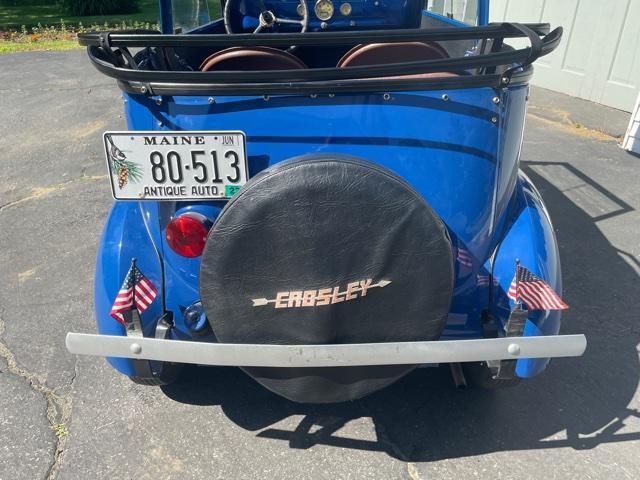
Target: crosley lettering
{"x":322,"y":296}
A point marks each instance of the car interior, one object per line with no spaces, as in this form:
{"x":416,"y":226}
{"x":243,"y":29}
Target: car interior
{"x":294,"y":16}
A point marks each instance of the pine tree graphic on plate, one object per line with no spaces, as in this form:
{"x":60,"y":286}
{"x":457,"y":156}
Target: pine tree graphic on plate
{"x":126,"y":170}
{"x":123,"y":176}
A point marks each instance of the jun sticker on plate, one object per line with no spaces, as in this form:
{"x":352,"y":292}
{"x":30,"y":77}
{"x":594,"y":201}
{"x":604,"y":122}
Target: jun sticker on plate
{"x":176,"y":165}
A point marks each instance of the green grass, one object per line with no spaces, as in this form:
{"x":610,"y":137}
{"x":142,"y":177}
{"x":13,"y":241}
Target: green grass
{"x":61,"y":430}
{"x":12,"y":47}
{"x":38,"y":27}
{"x":12,"y":18}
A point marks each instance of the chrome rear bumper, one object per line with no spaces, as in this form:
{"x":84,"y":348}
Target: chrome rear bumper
{"x":335,"y":355}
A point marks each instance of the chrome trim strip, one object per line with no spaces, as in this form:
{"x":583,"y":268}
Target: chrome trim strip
{"x":335,"y":355}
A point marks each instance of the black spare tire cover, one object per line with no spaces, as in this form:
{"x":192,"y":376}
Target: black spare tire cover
{"x":326,"y":249}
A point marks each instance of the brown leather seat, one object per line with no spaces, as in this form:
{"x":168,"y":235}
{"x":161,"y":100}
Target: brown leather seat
{"x":252,"y":58}
{"x":403,"y":52}
{"x":379,"y":53}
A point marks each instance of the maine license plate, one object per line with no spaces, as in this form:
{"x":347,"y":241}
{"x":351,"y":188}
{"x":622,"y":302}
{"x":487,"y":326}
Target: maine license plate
{"x":176,"y":165}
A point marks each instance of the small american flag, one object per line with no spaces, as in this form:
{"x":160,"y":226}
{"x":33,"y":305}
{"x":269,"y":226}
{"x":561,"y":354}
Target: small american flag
{"x":136,"y":291}
{"x":534,"y":292}
{"x":464,"y":257}
{"x":484,"y":280}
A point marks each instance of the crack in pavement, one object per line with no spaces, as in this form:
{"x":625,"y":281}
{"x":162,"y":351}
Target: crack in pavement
{"x":58,"y":406}
{"x":40,"y":192}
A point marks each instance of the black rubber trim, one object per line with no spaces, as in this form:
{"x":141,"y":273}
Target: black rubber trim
{"x":536,"y":43}
{"x":381,"y":85}
{"x":148,"y":39}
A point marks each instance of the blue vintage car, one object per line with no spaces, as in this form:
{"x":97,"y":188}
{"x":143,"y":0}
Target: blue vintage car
{"x":326,"y":194}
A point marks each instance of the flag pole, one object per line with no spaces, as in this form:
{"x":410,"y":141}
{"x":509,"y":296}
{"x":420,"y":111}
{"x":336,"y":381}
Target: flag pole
{"x":518,"y":302}
{"x":513,"y":328}
{"x":133,"y":288}
{"x":142,"y":368}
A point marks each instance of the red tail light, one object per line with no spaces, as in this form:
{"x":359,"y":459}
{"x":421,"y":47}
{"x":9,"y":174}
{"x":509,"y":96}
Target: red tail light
{"x":186,"y":235}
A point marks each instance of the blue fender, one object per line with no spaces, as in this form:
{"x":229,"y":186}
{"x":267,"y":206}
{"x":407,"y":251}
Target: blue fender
{"x":126,"y":236}
{"x":531,"y":239}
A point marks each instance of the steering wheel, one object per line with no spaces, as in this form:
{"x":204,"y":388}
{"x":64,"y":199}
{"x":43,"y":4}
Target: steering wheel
{"x":267,"y":18}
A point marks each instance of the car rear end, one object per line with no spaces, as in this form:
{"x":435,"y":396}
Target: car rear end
{"x":328,"y":236}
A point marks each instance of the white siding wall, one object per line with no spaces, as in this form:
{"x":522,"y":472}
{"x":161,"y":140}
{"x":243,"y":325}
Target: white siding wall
{"x":599,"y":57}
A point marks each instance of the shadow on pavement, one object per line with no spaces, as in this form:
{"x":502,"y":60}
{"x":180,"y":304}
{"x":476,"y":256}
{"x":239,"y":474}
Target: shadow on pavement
{"x":578,"y":403}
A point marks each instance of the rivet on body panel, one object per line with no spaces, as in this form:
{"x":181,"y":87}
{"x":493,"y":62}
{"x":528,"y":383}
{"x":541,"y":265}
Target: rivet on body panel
{"x":513,"y":349}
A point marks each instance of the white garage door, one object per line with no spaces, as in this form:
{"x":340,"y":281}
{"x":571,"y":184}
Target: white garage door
{"x":599,"y":57}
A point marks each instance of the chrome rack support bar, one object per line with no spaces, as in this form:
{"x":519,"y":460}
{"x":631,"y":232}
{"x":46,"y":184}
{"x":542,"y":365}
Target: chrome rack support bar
{"x":334,"y":355}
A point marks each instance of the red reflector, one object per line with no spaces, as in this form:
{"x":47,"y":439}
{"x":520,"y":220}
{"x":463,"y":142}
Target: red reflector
{"x":186,"y":236}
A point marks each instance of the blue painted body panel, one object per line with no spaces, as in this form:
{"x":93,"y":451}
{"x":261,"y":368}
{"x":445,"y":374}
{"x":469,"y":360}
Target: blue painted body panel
{"x":529,"y":237}
{"x":459,"y":149}
{"x":460,"y":154}
{"x":130,"y":232}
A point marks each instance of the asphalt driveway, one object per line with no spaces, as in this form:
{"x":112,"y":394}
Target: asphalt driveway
{"x":75,"y":418}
